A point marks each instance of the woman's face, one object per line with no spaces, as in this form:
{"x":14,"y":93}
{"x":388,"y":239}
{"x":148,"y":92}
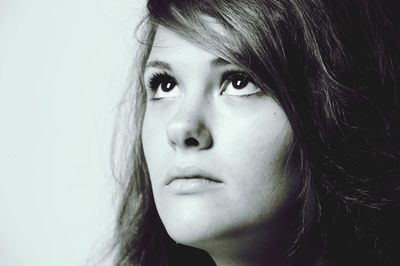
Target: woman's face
{"x":214,"y":144}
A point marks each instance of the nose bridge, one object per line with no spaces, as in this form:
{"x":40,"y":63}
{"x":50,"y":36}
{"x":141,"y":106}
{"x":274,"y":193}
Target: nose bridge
{"x":188,"y":127}
{"x":191,"y":108}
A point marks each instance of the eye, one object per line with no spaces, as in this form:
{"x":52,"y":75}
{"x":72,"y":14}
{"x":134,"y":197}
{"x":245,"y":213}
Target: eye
{"x":238,"y":83}
{"x":163,"y":85}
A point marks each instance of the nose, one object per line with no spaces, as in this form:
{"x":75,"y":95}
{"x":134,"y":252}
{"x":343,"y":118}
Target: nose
{"x":188,"y":130}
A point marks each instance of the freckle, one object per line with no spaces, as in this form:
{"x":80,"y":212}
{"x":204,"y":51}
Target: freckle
{"x":274,"y":113}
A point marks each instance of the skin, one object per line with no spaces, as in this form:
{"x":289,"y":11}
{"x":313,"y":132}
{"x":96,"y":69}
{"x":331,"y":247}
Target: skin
{"x":239,"y":136}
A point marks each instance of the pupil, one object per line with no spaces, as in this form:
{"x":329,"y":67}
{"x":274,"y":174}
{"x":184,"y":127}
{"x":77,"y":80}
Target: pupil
{"x":240,"y":83}
{"x":167,"y":86}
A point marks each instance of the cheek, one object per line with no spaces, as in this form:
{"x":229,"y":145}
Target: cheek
{"x":255,"y":142}
{"x":254,"y":157}
{"x":154,"y":144}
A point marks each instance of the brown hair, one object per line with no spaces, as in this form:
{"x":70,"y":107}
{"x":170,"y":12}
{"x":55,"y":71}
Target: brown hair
{"x":333,"y":66}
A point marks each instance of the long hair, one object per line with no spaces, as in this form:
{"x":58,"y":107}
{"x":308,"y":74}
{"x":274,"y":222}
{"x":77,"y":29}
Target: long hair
{"x":333,"y":66}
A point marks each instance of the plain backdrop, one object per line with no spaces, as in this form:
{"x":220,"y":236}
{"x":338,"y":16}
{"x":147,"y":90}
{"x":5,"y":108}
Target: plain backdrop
{"x":64,"y":65}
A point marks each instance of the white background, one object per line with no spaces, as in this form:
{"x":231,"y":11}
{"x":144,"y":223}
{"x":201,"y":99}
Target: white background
{"x":64,"y":65}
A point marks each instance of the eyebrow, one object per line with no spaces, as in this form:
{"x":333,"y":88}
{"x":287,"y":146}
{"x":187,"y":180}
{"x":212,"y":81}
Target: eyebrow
{"x":218,"y":61}
{"x":159,"y":64}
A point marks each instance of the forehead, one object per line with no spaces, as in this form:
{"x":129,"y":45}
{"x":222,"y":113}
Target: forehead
{"x":169,"y":46}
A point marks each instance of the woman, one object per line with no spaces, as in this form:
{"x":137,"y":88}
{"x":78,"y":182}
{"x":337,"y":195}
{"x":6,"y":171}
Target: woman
{"x":267,"y":133}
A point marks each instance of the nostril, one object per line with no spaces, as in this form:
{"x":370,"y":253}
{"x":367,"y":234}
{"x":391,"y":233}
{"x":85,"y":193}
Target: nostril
{"x":191,"y":142}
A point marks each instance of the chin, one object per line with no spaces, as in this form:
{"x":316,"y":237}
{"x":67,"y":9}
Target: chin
{"x":192,"y":237}
{"x":193,"y":229}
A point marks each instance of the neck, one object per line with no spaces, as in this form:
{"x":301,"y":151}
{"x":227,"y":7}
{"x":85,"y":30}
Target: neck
{"x":223,"y":259}
{"x":256,"y":247}
{"x":253,"y":251}
{"x":267,"y":245}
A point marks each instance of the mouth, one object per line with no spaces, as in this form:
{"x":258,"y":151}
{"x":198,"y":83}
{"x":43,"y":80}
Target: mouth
{"x":191,"y":180}
{"x":190,"y":173}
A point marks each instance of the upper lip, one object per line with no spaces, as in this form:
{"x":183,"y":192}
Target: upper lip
{"x":187,"y":172}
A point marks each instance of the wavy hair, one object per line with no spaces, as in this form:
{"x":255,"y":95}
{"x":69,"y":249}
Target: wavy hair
{"x":334,"y":67}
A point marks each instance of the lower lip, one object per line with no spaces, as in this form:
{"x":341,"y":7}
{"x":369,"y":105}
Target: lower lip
{"x":193,"y":185}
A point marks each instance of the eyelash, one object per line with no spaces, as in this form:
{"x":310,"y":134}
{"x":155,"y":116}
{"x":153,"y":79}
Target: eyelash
{"x":228,"y":76}
{"x":157,"y":78}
